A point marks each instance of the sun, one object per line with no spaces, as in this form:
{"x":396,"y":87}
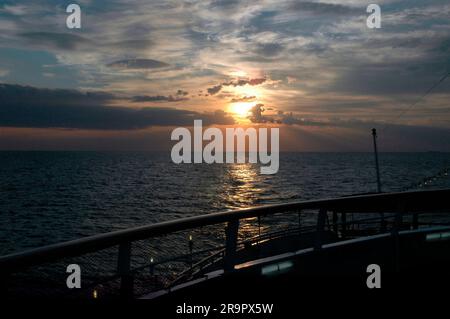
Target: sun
{"x":241,"y":109}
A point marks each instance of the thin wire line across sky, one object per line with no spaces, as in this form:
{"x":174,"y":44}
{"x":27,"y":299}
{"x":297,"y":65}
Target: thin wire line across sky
{"x":423,"y":96}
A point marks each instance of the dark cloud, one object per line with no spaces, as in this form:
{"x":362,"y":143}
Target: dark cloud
{"x":434,"y":44}
{"x":225,"y":4}
{"x":322,"y":8}
{"x":137,"y":44}
{"x":62,"y":41}
{"x":257,"y":81}
{"x":444,"y":46}
{"x":392,"y":79}
{"x":182,"y":93}
{"x":158,"y":98}
{"x":69,"y":41}
{"x":256,"y":115}
{"x":297,"y":121}
{"x":43,"y":108}
{"x":269,"y":49}
{"x":138,"y":64}
{"x":215,"y":89}
{"x":179,"y":96}
{"x":24,"y":95}
{"x":257,"y":58}
{"x":243,"y":99}
{"x":288,"y":118}
{"x":240,"y":82}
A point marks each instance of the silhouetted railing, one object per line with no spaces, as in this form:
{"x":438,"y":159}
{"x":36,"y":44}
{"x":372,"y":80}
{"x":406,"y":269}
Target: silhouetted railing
{"x":332,"y":216}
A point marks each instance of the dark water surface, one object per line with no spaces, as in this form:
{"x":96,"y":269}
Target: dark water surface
{"x":48,"y":197}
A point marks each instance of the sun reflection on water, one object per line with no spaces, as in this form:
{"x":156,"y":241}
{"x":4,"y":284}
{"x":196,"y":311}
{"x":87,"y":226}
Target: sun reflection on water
{"x":244,"y":187}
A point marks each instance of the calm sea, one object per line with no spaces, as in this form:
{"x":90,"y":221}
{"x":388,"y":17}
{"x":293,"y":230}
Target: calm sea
{"x":48,"y":197}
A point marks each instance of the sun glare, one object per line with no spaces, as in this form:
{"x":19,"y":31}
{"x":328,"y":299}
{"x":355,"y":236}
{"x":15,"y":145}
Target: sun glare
{"x":241,"y":109}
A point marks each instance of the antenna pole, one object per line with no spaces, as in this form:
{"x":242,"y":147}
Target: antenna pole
{"x":374,"y":134}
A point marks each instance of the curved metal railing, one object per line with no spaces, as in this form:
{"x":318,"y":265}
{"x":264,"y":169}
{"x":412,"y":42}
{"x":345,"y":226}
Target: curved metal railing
{"x":413,"y":202}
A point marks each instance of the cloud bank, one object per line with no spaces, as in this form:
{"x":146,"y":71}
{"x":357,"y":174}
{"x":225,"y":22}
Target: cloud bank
{"x":30,"y":107}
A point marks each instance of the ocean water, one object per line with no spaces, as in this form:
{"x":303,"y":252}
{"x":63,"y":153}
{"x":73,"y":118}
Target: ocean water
{"x":48,"y":197}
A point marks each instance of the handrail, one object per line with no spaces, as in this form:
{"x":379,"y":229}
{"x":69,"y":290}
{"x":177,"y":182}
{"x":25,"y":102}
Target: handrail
{"x":400,"y":201}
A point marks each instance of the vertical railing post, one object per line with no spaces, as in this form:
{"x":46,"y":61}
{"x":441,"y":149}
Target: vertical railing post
{"x":123,"y":269}
{"x":344,"y":225}
{"x":415,"y":221}
{"x":299,"y":222}
{"x":383,"y":224}
{"x":231,"y":237}
{"x":335,"y":222}
{"x":259,"y":229}
{"x":395,"y":235}
{"x":4,"y":285}
{"x":398,"y":222}
{"x":321,"y":218}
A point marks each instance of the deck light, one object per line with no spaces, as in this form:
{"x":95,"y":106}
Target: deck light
{"x":438,"y":236}
{"x":277,"y":268}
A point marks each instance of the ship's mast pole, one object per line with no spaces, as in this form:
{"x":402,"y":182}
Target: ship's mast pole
{"x":374,"y":134}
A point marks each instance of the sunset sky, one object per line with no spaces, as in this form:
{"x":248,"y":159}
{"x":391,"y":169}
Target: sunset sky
{"x":137,"y":69}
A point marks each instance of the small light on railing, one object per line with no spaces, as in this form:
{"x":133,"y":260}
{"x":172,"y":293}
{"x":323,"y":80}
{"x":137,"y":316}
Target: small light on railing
{"x":191,"y":248}
{"x":191,"y":243}
{"x":95,"y":294}
{"x":152,"y":266}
